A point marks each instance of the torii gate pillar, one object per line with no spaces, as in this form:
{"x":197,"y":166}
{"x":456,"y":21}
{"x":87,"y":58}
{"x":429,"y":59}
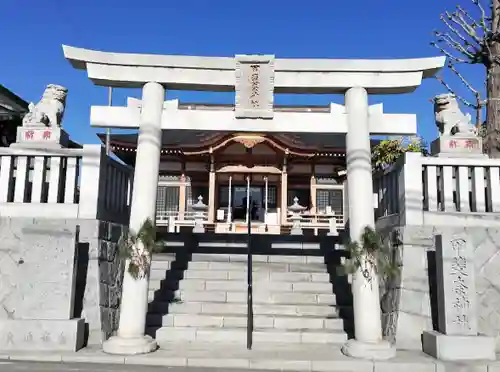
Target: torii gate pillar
{"x":368,"y":342}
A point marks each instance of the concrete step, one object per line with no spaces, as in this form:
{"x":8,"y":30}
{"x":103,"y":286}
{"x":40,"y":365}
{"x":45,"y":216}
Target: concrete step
{"x":231,"y":308}
{"x":279,"y":276}
{"x":240,"y":285}
{"x":239,"y":335}
{"x":235,"y":320}
{"x":259,"y":297}
{"x":258,"y":266}
{"x":204,"y":257}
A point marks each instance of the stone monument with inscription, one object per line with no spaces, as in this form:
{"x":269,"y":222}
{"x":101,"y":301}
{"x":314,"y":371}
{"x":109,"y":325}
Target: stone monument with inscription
{"x":457,"y":335}
{"x":457,"y":136}
{"x":37,"y":291}
{"x":42,"y":124}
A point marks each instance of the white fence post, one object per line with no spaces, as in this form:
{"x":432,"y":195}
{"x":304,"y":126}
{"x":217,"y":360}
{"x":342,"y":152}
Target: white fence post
{"x":410,"y":190}
{"x":91,"y":190}
{"x":6,"y":167}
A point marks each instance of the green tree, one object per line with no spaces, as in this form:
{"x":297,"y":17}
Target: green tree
{"x":387,"y":151}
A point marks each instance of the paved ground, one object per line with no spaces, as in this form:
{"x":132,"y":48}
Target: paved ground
{"x":84,"y":367}
{"x":178,"y":357}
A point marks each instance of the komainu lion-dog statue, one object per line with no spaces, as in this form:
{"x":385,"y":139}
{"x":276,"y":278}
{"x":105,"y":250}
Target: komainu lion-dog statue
{"x":50,"y":110}
{"x":450,"y":120}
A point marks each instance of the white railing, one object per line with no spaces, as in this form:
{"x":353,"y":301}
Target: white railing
{"x":440,"y":191}
{"x":174,"y":221}
{"x":64,"y":183}
{"x":318,"y":220}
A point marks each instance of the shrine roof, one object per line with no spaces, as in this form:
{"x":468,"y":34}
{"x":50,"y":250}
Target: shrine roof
{"x":11,"y":105}
{"x":199,"y":142}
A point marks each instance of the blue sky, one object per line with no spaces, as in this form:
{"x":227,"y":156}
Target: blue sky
{"x":33,"y":31}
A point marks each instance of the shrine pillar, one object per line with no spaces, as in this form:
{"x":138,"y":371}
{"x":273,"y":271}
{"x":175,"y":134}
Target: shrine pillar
{"x":130,"y":338}
{"x":211,"y":190}
{"x":368,"y":342}
{"x":284,"y":193}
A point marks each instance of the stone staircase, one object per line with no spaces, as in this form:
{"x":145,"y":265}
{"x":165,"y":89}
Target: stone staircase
{"x":202,"y":298}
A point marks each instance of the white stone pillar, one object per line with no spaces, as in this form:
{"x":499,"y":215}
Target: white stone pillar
{"x":211,"y":190}
{"x":248,"y":199}
{"x":130,"y":338}
{"x":229,"y":203}
{"x":368,"y":342}
{"x":266,"y":197}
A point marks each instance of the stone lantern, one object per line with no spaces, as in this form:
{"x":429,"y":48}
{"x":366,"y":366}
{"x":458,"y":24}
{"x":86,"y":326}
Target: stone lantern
{"x":296,"y":209}
{"x":200,"y":208}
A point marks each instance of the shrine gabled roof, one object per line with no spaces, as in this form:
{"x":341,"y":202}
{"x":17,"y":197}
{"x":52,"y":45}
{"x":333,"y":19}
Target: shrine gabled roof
{"x":193,"y":142}
{"x":11,"y":105}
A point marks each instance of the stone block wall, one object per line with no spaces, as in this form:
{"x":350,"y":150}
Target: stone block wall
{"x":409,"y":301}
{"x":104,"y":277}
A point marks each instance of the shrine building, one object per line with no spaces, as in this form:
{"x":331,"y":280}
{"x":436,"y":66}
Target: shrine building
{"x":227,"y":168}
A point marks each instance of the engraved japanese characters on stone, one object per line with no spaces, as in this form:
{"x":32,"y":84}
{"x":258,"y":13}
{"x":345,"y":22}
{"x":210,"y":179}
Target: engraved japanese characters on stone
{"x":460,"y":277}
{"x":254,"y":86}
{"x":457,"y":304}
{"x":10,"y":338}
{"x":62,"y":339}
{"x":255,"y":98}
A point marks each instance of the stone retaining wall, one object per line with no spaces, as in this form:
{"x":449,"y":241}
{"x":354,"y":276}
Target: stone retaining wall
{"x":104,"y":277}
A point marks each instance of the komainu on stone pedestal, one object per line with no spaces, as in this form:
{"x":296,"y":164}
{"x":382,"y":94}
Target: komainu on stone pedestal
{"x":457,"y":136}
{"x":42,"y":125}
{"x":50,"y":110}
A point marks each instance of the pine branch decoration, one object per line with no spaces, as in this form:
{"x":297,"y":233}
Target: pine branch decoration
{"x":138,"y":249}
{"x":370,"y":253}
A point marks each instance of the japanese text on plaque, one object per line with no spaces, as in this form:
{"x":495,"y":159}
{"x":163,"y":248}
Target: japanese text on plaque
{"x":460,"y":286}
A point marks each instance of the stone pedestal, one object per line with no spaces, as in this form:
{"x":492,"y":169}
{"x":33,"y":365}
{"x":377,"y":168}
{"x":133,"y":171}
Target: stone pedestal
{"x":37,"y":269}
{"x":42,"y":335}
{"x":458,"y":145}
{"x":457,"y":336}
{"x":41,"y":137}
{"x":458,"y":348}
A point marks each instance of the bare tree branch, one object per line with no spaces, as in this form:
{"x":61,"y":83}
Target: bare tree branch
{"x":453,"y":29}
{"x":462,"y":78}
{"x":484,"y":20}
{"x":450,"y":89}
{"x":449,"y":55}
{"x":468,"y":36}
{"x":458,"y":19}
{"x":452,"y":43}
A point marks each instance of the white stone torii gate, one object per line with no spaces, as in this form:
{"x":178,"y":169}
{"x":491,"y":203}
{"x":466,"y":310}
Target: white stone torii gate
{"x":255,"y":80}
